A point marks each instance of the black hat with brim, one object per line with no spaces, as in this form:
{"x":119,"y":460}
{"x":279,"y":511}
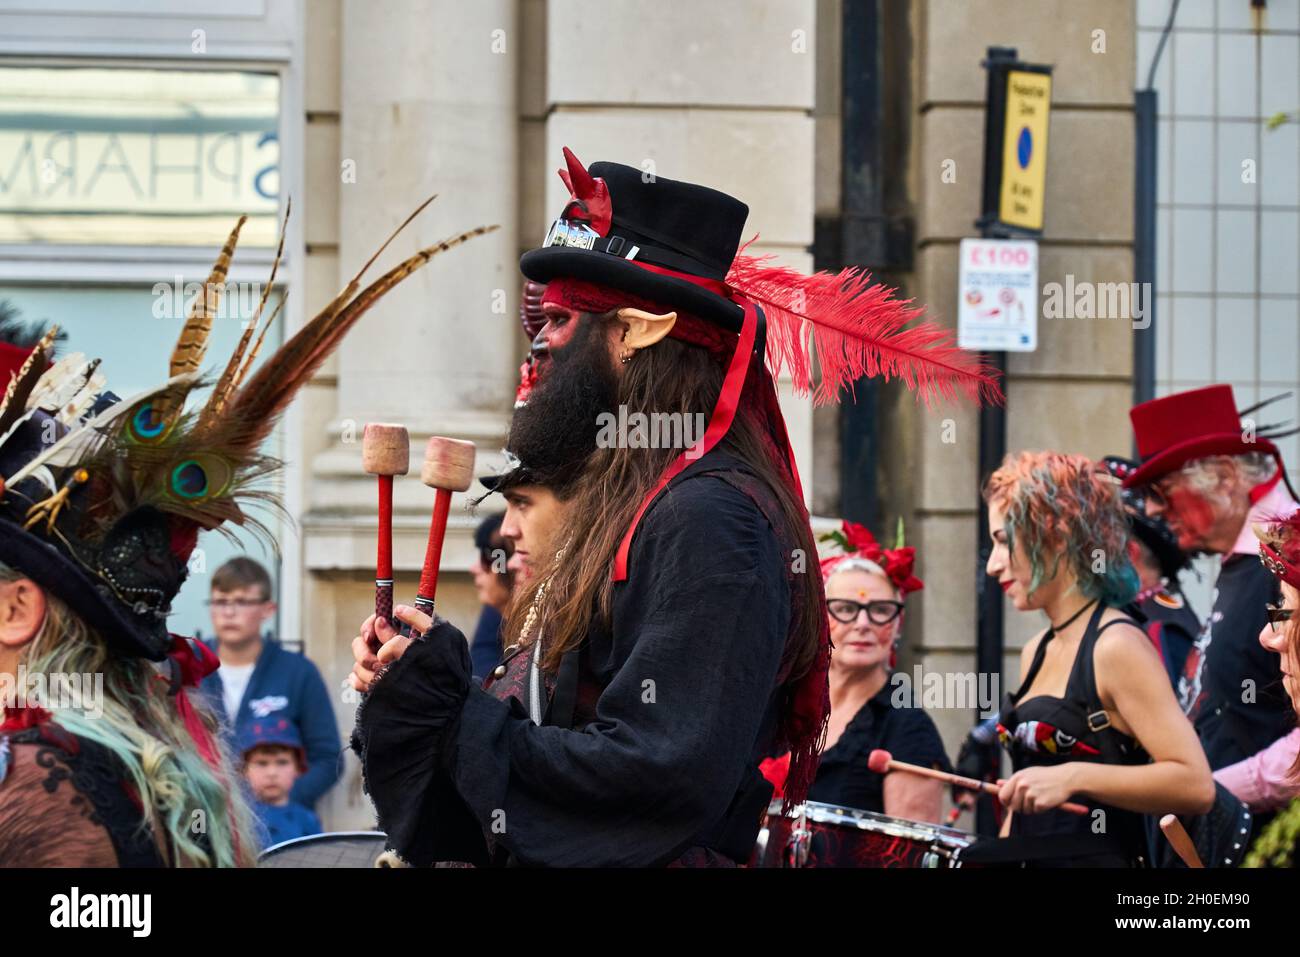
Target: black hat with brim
{"x":137,"y":544}
{"x":696,"y":233}
{"x":141,"y":635}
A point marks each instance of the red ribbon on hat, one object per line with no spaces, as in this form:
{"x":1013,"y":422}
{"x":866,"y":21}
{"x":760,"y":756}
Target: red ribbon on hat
{"x":194,"y":661}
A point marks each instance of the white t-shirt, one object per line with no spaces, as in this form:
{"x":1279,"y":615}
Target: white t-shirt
{"x":234,"y":681}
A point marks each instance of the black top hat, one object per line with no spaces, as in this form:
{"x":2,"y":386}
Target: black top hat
{"x":657,"y":238}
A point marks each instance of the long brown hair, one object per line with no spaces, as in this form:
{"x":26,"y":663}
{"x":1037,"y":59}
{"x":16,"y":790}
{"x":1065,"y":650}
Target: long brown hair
{"x":671,"y":377}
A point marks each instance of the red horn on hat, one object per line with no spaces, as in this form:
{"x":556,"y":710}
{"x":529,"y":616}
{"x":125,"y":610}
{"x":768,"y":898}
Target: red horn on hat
{"x":590,"y":193}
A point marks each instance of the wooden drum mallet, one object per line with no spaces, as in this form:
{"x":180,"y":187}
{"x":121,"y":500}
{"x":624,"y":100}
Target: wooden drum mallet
{"x":385,"y":452}
{"x":448,"y":467}
{"x":882,"y":762}
{"x":1180,"y":840}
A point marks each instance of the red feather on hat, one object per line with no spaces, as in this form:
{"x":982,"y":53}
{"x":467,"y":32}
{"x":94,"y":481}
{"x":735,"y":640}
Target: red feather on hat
{"x":855,"y":327}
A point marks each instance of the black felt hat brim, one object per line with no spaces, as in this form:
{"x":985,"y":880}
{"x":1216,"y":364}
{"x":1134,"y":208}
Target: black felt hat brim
{"x":52,"y":570}
{"x":554,"y":262}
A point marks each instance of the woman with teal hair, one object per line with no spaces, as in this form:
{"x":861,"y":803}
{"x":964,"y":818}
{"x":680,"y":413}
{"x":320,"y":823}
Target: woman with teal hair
{"x":103,"y":760}
{"x":1094,"y":721}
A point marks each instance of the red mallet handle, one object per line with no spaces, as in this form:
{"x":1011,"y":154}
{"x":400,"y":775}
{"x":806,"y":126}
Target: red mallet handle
{"x":385,"y":452}
{"x":1180,"y":840}
{"x":882,"y":762}
{"x":448,"y":467}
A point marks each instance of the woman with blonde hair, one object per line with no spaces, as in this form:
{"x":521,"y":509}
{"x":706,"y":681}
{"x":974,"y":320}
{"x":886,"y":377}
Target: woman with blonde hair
{"x":113,"y":765}
{"x":1094,"y":720}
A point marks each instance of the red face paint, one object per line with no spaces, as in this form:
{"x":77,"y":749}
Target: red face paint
{"x":1190,"y":516}
{"x":554,"y":336}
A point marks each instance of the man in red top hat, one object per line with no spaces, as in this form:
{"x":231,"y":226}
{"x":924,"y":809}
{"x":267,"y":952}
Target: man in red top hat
{"x":1212,"y":475}
{"x":677,"y":636}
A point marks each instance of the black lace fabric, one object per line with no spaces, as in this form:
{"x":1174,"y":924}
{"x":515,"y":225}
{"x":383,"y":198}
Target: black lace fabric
{"x":65,"y":803}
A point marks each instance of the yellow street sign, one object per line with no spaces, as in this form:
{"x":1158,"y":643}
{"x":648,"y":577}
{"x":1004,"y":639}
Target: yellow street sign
{"x":1024,"y":149}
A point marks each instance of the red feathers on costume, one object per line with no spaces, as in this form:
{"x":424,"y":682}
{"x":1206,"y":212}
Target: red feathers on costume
{"x":855,"y":328}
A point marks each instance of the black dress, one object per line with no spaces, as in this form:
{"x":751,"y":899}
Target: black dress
{"x":1044,"y":730}
{"x":908,"y":734}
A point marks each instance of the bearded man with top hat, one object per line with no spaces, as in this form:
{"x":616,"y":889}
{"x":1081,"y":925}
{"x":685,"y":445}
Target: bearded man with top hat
{"x":1213,"y":475}
{"x":677,"y":635}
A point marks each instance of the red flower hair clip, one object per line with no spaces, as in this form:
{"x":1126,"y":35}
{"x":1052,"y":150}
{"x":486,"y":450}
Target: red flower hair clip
{"x":856,"y":541}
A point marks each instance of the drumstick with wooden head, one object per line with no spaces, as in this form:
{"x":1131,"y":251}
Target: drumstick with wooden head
{"x":385,"y":452}
{"x":1180,"y":840}
{"x":882,"y":762}
{"x":448,"y":467}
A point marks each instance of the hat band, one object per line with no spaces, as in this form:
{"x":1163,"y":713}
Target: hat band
{"x":1279,"y":566}
{"x":575,"y":234}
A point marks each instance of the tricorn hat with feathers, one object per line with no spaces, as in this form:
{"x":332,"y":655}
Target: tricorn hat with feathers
{"x":102,"y":498}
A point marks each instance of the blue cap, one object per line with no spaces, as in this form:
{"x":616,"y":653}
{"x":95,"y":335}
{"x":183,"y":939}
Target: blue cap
{"x":279,"y":732}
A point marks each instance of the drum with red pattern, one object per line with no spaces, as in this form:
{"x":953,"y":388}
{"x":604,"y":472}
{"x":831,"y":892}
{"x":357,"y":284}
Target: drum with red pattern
{"x":826,"y":835}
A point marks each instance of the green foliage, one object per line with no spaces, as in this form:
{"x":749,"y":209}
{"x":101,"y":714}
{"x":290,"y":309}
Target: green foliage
{"x":1276,"y":846}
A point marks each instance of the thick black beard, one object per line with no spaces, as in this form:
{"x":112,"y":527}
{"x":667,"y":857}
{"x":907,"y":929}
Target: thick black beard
{"x":556,"y":431}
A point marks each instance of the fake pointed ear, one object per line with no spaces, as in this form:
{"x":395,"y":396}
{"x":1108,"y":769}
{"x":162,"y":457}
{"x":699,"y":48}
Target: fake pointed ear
{"x":644,"y":329}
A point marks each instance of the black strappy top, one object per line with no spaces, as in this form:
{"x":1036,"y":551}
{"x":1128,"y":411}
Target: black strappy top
{"x":1044,"y":730}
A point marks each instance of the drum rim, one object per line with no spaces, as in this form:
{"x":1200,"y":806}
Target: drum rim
{"x":857,"y":818}
{"x":323,"y":838}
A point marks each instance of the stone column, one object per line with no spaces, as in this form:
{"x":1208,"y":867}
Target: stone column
{"x":719,"y":94}
{"x":427,"y":103}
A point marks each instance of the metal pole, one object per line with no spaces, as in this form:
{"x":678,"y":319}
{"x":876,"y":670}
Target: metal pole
{"x":993,"y":423}
{"x":1145,"y":110}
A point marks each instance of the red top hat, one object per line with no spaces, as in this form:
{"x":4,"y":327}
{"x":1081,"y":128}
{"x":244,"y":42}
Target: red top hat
{"x":1180,"y":428}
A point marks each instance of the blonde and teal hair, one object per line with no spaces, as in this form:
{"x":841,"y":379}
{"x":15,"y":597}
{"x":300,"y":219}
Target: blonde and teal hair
{"x":200,"y":811}
{"x":1066,"y":507}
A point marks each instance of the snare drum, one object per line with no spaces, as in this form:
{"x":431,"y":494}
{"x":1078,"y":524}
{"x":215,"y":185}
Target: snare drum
{"x":827,"y":835}
{"x":335,"y":849}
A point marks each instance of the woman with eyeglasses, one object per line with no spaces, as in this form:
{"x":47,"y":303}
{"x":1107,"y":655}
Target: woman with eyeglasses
{"x":1270,"y":779}
{"x":865,"y":589}
{"x":1095,"y":720}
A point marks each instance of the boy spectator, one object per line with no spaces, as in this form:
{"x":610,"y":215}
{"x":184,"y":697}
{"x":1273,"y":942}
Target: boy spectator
{"x":273,"y":759}
{"x":259,"y":680}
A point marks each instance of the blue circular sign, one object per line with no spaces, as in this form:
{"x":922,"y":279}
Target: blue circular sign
{"x":1024,"y":147}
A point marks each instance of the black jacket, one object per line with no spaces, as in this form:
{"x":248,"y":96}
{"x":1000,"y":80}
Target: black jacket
{"x":689,"y":686}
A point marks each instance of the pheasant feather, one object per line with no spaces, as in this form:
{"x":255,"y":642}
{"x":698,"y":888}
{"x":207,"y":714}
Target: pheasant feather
{"x":233,"y":372}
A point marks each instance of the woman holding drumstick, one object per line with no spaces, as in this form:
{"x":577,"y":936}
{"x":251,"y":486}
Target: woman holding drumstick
{"x":1095,"y":719}
{"x":865,"y":590}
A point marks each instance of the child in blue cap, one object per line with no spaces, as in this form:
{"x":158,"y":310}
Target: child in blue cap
{"x":273,"y":758}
